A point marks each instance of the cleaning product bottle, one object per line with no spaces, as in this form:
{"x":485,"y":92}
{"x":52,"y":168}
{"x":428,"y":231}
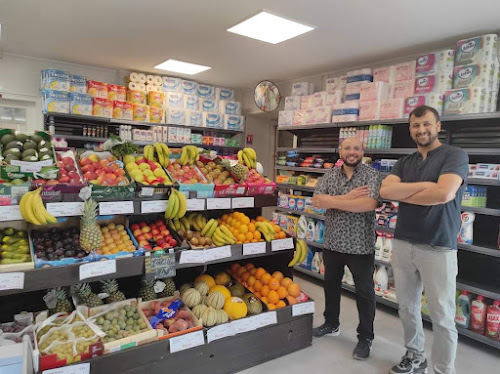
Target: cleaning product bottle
{"x":319,"y":235}
{"x":302,"y":227}
{"x":316,"y":262}
{"x":462,"y":316}
{"x":322,"y":264}
{"x":387,"y":248}
{"x":311,"y":228}
{"x":381,"y":281}
{"x":466,"y":230}
{"x":493,"y":321}
{"x":347,"y":279}
{"x":379,"y":244}
{"x":478,"y":315}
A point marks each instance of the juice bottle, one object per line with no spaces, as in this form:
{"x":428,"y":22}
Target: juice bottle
{"x":478,"y":315}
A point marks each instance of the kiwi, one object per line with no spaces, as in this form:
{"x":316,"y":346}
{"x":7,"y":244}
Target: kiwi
{"x":30,"y":158}
{"x":22,"y":137}
{"x":29,"y":152}
{"x":14,"y":144}
{"x":30,"y":145}
{"x":7,"y":138}
{"x":36,"y":138}
{"x":13,"y":151}
{"x":45,"y":157}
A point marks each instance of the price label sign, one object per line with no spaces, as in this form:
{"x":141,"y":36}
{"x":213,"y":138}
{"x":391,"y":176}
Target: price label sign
{"x":265,"y":319}
{"x":250,"y":249}
{"x":97,"y":269}
{"x":243,"y":202}
{"x":221,"y":331}
{"x":73,"y":369}
{"x":11,"y":281}
{"x":241,"y":326}
{"x":160,"y":266}
{"x":281,"y":244}
{"x":116,"y":207}
{"x":217,"y":253}
{"x":194,"y":256}
{"x":186,"y":341}
{"x":154,"y":206}
{"x":65,"y":209}
{"x":303,"y":308}
{"x":221,"y":203}
{"x":195,"y":204}
{"x":10,"y":213}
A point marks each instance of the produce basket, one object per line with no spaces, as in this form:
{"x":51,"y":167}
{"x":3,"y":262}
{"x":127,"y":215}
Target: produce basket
{"x":200,"y":190}
{"x":10,"y":194}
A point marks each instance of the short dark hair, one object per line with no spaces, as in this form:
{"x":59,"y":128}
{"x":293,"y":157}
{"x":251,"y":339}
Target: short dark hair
{"x":422,"y":110}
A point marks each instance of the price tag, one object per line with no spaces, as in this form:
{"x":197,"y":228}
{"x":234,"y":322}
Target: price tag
{"x":192,"y":257}
{"x":281,"y":244}
{"x":147,"y":191}
{"x":265,"y":319}
{"x":303,"y":308}
{"x":73,"y":369}
{"x":96,"y":269}
{"x":65,"y":209}
{"x":221,"y":331}
{"x":186,"y":341}
{"x":154,"y":206}
{"x":160,"y":266}
{"x":10,"y":213}
{"x":116,"y":207}
{"x":217,"y":253}
{"x":254,"y":248}
{"x":241,"y":326}
{"x":221,"y":203}
{"x":11,"y":281}
{"x":195,"y":204}
{"x":243,"y":202}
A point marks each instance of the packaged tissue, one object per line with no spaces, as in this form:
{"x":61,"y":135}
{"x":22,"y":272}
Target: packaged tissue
{"x":336,"y":83}
{"x":53,"y":79}
{"x":309,"y":116}
{"x":191,"y":102}
{"x":318,"y":99}
{"x":433,"y":100}
{"x":133,"y":86}
{"x":189,"y":87}
{"x":302,"y":89}
{"x":403,"y":89}
{"x":392,"y":109}
{"x":194,"y":118}
{"x":334,"y":97}
{"x":222,"y":93}
{"x":136,"y":97}
{"x":209,"y":105}
{"x":171,"y":84}
{"x":97,"y":89}
{"x":464,"y":100}
{"x":140,"y":113}
{"x":405,"y":71}
{"x":299,"y":118}
{"x":433,"y":84}
{"x":80,"y":103}
{"x":155,"y":114}
{"x":102,"y":107}
{"x":230,"y":107}
{"x":117,"y":92}
{"x":175,"y":116}
{"x":477,"y":50}
{"x":77,"y":83}
{"x":369,"y":110}
{"x":435,"y":63}
{"x":136,"y":78}
{"x":346,"y":112}
{"x":234,"y":122}
{"x":353,"y":91}
{"x":292,"y":102}
{"x":55,"y":101}
{"x":285,"y":117}
{"x":385,"y":74}
{"x":213,"y":120}
{"x":374,"y":91}
{"x":156,"y":99}
{"x":174,"y":100}
{"x":361,"y":75}
{"x":475,"y":75}
{"x":322,"y":114}
{"x":306,"y":102}
{"x":153,"y":80}
{"x":204,"y":91}
{"x":123,"y":110}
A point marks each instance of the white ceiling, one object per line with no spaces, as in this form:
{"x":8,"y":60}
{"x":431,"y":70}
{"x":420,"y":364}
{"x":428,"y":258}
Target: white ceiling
{"x":137,"y":35}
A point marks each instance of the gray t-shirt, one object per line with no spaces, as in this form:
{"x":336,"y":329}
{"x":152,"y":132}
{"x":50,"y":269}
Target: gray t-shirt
{"x":438,"y":224}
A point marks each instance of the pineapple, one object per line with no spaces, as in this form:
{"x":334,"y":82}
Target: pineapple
{"x":90,"y":232}
{"x":111,"y":288}
{"x":168,"y":290}
{"x":86,"y":296}
{"x":63,"y":304}
{"x":147,"y":291}
{"x":238,"y":170}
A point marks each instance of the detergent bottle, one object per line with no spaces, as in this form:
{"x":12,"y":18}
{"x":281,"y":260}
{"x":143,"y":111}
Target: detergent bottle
{"x":462,"y":316}
{"x":478,"y":315}
{"x":493,"y":321}
{"x":467,"y":229}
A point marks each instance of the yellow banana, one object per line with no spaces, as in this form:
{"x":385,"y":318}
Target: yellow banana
{"x":252,"y":153}
{"x":240,"y":156}
{"x":217,"y":242}
{"x":218,"y":238}
{"x":247,"y":160}
{"x":39,"y":209}
{"x":223,"y":236}
{"x":170,"y":206}
{"x":182,"y":204}
{"x":159,"y":152}
{"x":305,"y":250}
{"x":297,"y":256}
{"x":211,"y":230}
{"x":228,"y":233}
{"x":186,"y":223}
{"x":184,"y":157}
{"x":166,"y":154}
{"x":207,"y":227}
{"x":199,"y":222}
{"x":27,"y":208}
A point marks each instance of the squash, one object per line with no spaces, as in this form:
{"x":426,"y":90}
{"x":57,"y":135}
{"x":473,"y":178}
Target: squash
{"x":208,"y":279}
{"x":202,"y":288}
{"x":235,"y":308}
{"x":254,"y":305}
{"x":198,"y":310}
{"x":223,"y":290}
{"x":215,"y":300}
{"x":237,"y":290}
{"x":209,"y":317}
{"x":191,"y":297}
{"x":221,"y":316}
{"x":222,"y":279}
{"x":184,"y":287}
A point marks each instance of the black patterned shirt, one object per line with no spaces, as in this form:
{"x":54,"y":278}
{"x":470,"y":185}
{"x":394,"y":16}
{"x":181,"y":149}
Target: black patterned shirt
{"x":347,"y":232}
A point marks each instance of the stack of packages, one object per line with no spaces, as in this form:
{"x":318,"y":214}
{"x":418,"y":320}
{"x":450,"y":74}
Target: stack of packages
{"x":146,"y":96}
{"x":297,"y":105}
{"x":475,"y":77}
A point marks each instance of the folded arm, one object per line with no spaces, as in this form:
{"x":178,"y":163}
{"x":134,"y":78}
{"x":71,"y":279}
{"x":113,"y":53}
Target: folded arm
{"x":393,"y":189}
{"x":358,"y":205}
{"x":440,"y":193}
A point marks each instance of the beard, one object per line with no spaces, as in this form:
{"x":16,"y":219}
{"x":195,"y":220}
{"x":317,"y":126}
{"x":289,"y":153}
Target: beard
{"x":351,"y":164}
{"x":425,"y":143}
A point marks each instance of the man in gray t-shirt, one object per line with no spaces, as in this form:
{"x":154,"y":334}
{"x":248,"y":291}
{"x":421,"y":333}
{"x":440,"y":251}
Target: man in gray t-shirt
{"x":429,"y":186}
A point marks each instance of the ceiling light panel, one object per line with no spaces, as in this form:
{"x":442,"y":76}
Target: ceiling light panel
{"x":182,"y":67}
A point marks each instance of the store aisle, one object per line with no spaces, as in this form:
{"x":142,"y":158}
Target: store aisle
{"x":334,"y":354}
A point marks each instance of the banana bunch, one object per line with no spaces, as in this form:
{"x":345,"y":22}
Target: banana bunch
{"x":149,"y":153}
{"x":162,"y":153}
{"x":33,"y":210}
{"x":14,"y":249}
{"x":300,"y":253}
{"x":189,"y":155}
{"x":248,"y":157}
{"x":209,"y":228}
{"x":177,"y":205}
{"x":197,"y":221}
{"x":266,"y":229}
{"x":222,"y":236}
{"x":180,"y":224}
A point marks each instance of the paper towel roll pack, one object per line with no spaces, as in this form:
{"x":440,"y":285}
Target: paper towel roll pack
{"x":153,"y":88}
{"x":319,"y":99}
{"x":404,"y":89}
{"x":174,"y":100}
{"x":205,"y":91}
{"x":55,"y":101}
{"x":299,"y":118}
{"x":156,"y":114}
{"x":123,"y":110}
{"x":234,"y":122}
{"x":334,"y":97}
{"x":385,"y":74}
{"x":213,"y":120}
{"x":346,"y":112}
{"x":230,"y":107}
{"x":171,"y":84}
{"x":189,"y":87}
{"x":134,"y":86}
{"x":477,"y":50}
{"x":77,"y":83}
{"x":405,"y":71}
{"x":309,"y":116}
{"x":209,"y":105}
{"x":292,"y":102}
{"x":369,"y":110}
{"x":136,"y":97}
{"x":433,"y":84}
{"x":156,"y":99}
{"x":174,"y":116}
{"x":116,"y":92}
{"x":140,"y":112}
{"x":136,"y":78}
{"x":302,"y":89}
{"x":433,"y":100}
{"x":336,"y":83}
{"x":80,"y":103}
{"x":97,"y":89}
{"x":102,"y":107}
{"x":374,"y":91}
{"x":53,"y":79}
{"x":191,"y":102}
{"x":361,"y":75}
{"x":392,"y":109}
{"x":353,"y":90}
{"x":154,"y":80}
{"x":194,"y":118}
{"x":306,"y":102}
{"x":464,"y":100}
{"x":435,"y":63}
{"x":475,"y":75}
{"x":285,"y":117}
{"x":222,"y":93}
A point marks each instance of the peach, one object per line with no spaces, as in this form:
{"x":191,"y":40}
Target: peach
{"x":145,"y":229}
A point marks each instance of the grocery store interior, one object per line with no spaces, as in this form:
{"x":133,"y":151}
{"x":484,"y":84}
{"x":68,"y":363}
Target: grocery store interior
{"x":158,"y":161}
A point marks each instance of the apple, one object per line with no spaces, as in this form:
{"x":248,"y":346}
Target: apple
{"x":90,"y":175}
{"x":148,"y":246}
{"x":145,"y":229}
{"x":143,"y":243}
{"x":58,"y":157}
{"x":155,"y":231}
{"x":39,"y":181}
{"x":86,"y":168}
{"x":96,"y":165}
{"x":134,"y":227}
{"x":74,"y":181}
{"x":157,"y":248}
{"x":159,"y":222}
{"x":136,"y":231}
{"x":143,"y":224}
{"x":172,"y":242}
{"x":64,"y":179}
{"x":85,"y":161}
{"x":148,"y":236}
{"x":164,"y":246}
{"x":160,"y":241}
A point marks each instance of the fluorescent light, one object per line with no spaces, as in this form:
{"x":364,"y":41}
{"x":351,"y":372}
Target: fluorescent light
{"x":269,"y":28}
{"x":182,"y":67}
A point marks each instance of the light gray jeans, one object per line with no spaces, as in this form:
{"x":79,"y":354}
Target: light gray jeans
{"x":417,"y":267}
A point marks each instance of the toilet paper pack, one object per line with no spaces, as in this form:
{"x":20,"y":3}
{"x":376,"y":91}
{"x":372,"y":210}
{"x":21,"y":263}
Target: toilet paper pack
{"x":392,"y":109}
{"x":171,"y":84}
{"x":102,"y":107}
{"x":156,"y":99}
{"x":475,"y":75}
{"x":194,"y":118}
{"x":285,"y":117}
{"x":153,"y":88}
{"x":155,"y":80}
{"x":213,"y":120}
{"x":55,"y":101}
{"x":123,"y":110}
{"x":80,"y":103}
{"x":433,"y":100}
{"x":334,"y":97}
{"x":292,"y":102}
{"x":116,"y":92}
{"x":134,"y":86}
{"x":369,"y":110}
{"x":404,"y":89}
{"x":191,"y":102}
{"x":309,"y":116}
{"x":299,"y":118}
{"x":189,"y":87}
{"x":306,"y":102}
{"x":464,"y":100}
{"x":174,"y":100}
{"x":230,"y":107}
{"x":374,"y":91}
{"x":234,"y":122}
{"x":53,"y":79}
{"x":136,"y":97}
{"x":209,"y":105}
{"x":405,"y":71}
{"x":385,"y":74}
{"x":322,"y":114}
{"x":336,"y":83}
{"x":319,"y":99}
{"x":435,"y":62}
{"x":136,"y":78}
{"x":156,"y":114}
{"x":433,"y":84}
{"x":346,"y":112}
{"x":97,"y":89}
{"x":77,"y":83}
{"x":302,"y":89}
{"x":353,"y":91}
{"x":205,"y":91}
{"x":175,"y":116}
{"x":222,"y":93}
{"x":361,"y":75}
{"x":476,"y":50}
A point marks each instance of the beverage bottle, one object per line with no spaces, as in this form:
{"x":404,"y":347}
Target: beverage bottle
{"x":478,"y":315}
{"x":462,"y":316}
{"x":381,"y":281}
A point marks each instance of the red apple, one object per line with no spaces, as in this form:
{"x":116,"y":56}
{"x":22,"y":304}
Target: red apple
{"x":172,"y":242}
{"x":166,"y":245}
{"x":136,"y":231}
{"x":64,"y":179}
{"x":134,"y":226}
{"x":58,"y":157}
{"x":74,"y":181}
{"x":85,"y":161}
{"x":96,"y":165}
{"x":159,"y":222}
{"x":87,"y":168}
{"x":108,"y":170}
{"x":165,"y":232}
{"x":67,"y":160}
{"x":155,"y":231}
{"x":143,"y":224}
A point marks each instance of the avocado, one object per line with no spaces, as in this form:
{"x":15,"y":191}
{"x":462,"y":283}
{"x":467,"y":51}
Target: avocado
{"x":10,"y":157}
{"x":13,"y":151}
{"x":44,"y":150}
{"x":29,"y":152}
{"x":21,"y":137}
{"x":30,"y":158}
{"x":45,"y":157}
{"x":7,"y":138}
{"x":43,"y":144}
{"x":14,"y":144}
{"x":36,"y":138}
{"x":48,"y":152}
{"x":30,"y":145}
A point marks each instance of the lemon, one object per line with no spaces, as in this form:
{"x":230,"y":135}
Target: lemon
{"x":139,"y":178}
{"x":144,"y":166}
{"x":148,"y":173}
{"x":135,"y":172}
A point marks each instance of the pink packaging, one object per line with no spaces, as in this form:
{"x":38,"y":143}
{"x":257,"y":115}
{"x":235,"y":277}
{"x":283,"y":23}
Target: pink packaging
{"x":306,"y":102}
{"x":323,"y":114}
{"x":405,"y":71}
{"x":433,"y":100}
{"x":319,"y":99}
{"x":334,"y":97}
{"x":391,"y":109}
{"x":299,"y":118}
{"x":353,"y":88}
{"x":404,"y":89}
{"x":374,"y":91}
{"x":369,"y":110}
{"x":385,"y":74}
{"x":309,"y":116}
{"x":346,"y":112}
{"x":432,"y":84}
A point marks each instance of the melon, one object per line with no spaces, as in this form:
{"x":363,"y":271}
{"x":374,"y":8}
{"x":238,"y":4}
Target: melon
{"x":215,"y":300}
{"x":209,"y":317}
{"x":191,"y":297}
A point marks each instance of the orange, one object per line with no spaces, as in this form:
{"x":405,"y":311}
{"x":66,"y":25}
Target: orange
{"x":281,"y":235}
{"x":257,"y":294}
{"x":282,"y":292}
{"x":251,"y":281}
{"x":276,"y":228}
{"x":265,"y":278}
{"x":260,"y":272}
{"x":250,"y":288}
{"x":257,"y":235}
{"x":245,"y":276}
{"x":294,"y":290}
{"x":249,"y":236}
{"x":224,"y":217}
{"x":245,"y":220}
{"x":235,"y":266}
{"x":241,"y":270}
{"x":291,"y":300}
{"x":241,"y":237}
{"x":237,"y":224}
{"x":243,"y":229}
{"x":273,"y":284}
{"x":273,"y":297}
{"x":285,"y":282}
{"x":260,"y":219}
{"x":280,"y":304}
{"x":264,"y":300}
{"x":251,"y":227}
{"x":278,"y":275}
{"x":249,"y":266}
{"x":265,"y":290}
{"x":271,"y":306}
{"x":253,"y":271}
{"x":258,"y":285}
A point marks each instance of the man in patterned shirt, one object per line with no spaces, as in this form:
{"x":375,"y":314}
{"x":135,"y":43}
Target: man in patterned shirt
{"x":349,"y":194}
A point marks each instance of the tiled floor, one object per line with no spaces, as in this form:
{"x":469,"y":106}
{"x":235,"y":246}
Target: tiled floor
{"x":334,"y":354}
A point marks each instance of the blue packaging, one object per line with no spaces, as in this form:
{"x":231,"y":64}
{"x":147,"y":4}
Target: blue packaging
{"x":189,"y":87}
{"x":204,"y":91}
{"x":306,"y":264}
{"x":319,"y":234}
{"x":77,"y":83}
{"x":53,"y":79}
{"x":80,"y":103}
{"x":55,"y":101}
{"x":166,"y":313}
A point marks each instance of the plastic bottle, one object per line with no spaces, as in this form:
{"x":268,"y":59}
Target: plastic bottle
{"x":387,"y":248}
{"x":347,"y":279}
{"x":467,"y":229}
{"x":462,"y":316}
{"x":381,"y":281}
{"x":478,"y":315}
{"x":319,"y":234}
{"x":302,"y":227}
{"x":493,"y":321}
{"x":311,"y":228}
{"x":379,"y":244}
{"x":316,"y":263}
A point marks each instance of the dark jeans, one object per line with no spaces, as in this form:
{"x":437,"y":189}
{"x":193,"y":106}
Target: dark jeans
{"x":361,"y":267}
